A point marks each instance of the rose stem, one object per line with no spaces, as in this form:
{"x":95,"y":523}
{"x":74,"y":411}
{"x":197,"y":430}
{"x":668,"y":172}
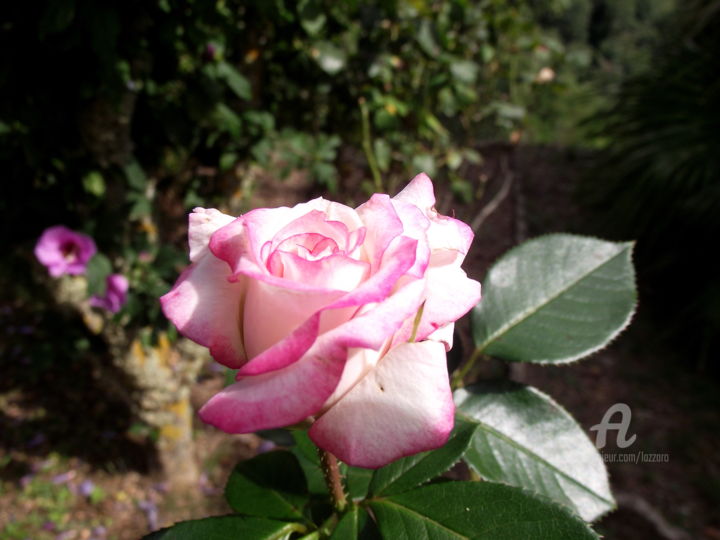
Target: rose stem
{"x":329,"y":465}
{"x":457,"y":380}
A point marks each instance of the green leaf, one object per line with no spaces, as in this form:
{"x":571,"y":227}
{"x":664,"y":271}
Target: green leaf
{"x":306,"y":453}
{"x":478,"y":510}
{"x":356,"y":524}
{"x":406,"y":473}
{"x":237,"y":82}
{"x":464,"y":71}
{"x":423,"y":163}
{"x":228,"y":528}
{"x":382,"y":154}
{"x":135,"y":176}
{"x":227,"y":120}
{"x":98,"y":269}
{"x":312,"y":16}
{"x":329,"y":57}
{"x":269,"y":485}
{"x":426,"y":39}
{"x":94,"y":183}
{"x":555,"y":299}
{"x":228,"y":160}
{"x":525,"y":439}
{"x":358,"y":480}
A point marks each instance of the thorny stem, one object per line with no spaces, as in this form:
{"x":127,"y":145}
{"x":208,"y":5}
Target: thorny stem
{"x":331,"y":472}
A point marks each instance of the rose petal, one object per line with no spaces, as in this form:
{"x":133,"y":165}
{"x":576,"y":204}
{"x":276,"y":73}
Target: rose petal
{"x":273,"y":312}
{"x":206,"y":307}
{"x":282,"y":397}
{"x":240,"y":242}
{"x":445,"y":232}
{"x":448,"y":233}
{"x":415,"y":225}
{"x":314,"y":222}
{"x":286,"y":396}
{"x":285,"y":351}
{"x":419,"y":192}
{"x":336,"y":272}
{"x":376,"y":324}
{"x":383,"y":226}
{"x":449,"y":295}
{"x":398,"y":258}
{"x":401,"y":407}
{"x":202,"y":223}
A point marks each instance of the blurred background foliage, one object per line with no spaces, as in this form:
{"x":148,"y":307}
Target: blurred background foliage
{"x":659,"y":174}
{"x":117,"y":119}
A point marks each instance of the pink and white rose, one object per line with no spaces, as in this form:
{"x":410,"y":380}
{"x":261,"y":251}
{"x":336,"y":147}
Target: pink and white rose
{"x":316,"y":308}
{"x":63,"y":251}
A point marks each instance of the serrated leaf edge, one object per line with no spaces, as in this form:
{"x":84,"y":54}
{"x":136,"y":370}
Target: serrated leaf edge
{"x":627,"y":248}
{"x":612,"y":503}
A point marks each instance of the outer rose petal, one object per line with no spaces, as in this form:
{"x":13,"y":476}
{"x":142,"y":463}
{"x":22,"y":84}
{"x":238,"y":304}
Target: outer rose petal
{"x":279,"y":398}
{"x":418,"y":192}
{"x":445,"y":232}
{"x":202,"y":223}
{"x":205,"y":307}
{"x":298,"y":390}
{"x":402,"y":407}
{"x":286,"y":396}
{"x":450,"y":295}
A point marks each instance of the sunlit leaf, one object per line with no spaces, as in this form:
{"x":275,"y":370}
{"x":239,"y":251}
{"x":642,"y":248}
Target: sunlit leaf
{"x":555,"y":299}
{"x":525,"y":439}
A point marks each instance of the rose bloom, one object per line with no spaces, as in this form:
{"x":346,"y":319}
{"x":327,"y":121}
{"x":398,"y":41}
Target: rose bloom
{"x":333,"y":315}
{"x":115,"y":294}
{"x":64,"y":251}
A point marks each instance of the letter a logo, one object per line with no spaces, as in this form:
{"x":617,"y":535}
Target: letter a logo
{"x":622,"y":427}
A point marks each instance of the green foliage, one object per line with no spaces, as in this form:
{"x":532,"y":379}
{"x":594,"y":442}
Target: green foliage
{"x":479,"y":510}
{"x":228,"y":528}
{"x":270,"y":495}
{"x":406,"y":473}
{"x":523,"y":438}
{"x":269,"y":485}
{"x":591,"y":45}
{"x":659,"y":174}
{"x":98,"y":269}
{"x":356,"y":524}
{"x":555,"y":299}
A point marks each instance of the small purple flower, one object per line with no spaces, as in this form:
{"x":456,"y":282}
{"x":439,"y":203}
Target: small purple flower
{"x":25,"y":480}
{"x":115,"y":294}
{"x":266,"y":446}
{"x":64,"y":251}
{"x":98,"y":533}
{"x":63,"y":478}
{"x":86,"y":488}
{"x":151,"y":513}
